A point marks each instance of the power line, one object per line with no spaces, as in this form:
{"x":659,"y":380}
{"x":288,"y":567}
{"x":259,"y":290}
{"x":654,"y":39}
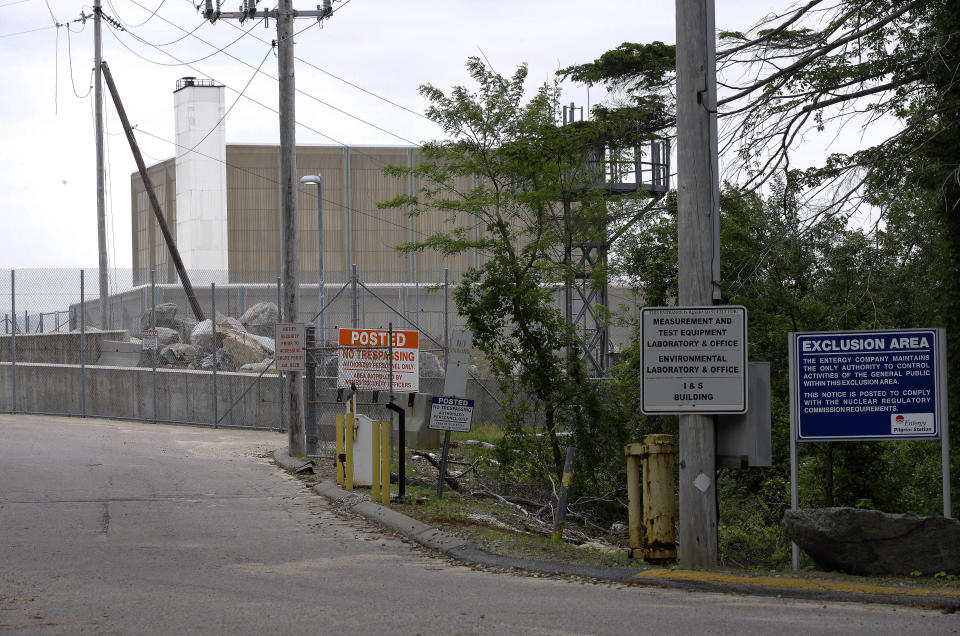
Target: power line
{"x":10,"y":35}
{"x":255,"y":101}
{"x":239,"y":95}
{"x":127,"y":24}
{"x":299,"y":90}
{"x":180,"y":62}
{"x":70,"y":59}
{"x":348,"y":82}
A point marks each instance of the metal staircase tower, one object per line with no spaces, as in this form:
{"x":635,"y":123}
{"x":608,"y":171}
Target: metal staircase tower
{"x":618,"y":171}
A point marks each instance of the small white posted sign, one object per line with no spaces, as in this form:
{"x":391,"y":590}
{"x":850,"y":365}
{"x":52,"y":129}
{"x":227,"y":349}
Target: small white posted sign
{"x":149,"y":340}
{"x":448,"y":413}
{"x":291,"y":346}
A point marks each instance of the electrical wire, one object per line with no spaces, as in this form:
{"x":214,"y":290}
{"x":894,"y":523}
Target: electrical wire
{"x":70,"y":59}
{"x":298,"y":90}
{"x":127,"y":24}
{"x":255,"y":101}
{"x":347,"y":82}
{"x":10,"y":35}
{"x":180,"y":62}
{"x":10,"y":4}
{"x":239,"y":95}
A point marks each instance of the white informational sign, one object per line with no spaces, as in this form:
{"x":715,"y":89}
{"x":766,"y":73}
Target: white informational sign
{"x":149,"y":339}
{"x":458,"y":361}
{"x":694,"y":359}
{"x":364,"y":354}
{"x":449,"y":413}
{"x":290,"y":345}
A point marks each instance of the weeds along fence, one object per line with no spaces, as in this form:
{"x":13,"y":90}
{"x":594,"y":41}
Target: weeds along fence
{"x":64,"y":353}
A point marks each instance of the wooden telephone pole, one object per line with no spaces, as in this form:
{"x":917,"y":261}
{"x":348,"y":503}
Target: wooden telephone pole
{"x":284,"y":15}
{"x":699,"y":262}
{"x":98,"y":134}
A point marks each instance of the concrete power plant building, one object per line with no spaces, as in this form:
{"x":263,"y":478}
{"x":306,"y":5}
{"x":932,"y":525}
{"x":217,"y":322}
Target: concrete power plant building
{"x":224,"y":202}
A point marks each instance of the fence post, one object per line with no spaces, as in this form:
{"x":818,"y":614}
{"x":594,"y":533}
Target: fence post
{"x":153,"y":325}
{"x":83,"y":351}
{"x":13,"y":335}
{"x":565,"y":481}
{"x":312,"y":427}
{"x":446,"y":358}
{"x":353,"y":283}
{"x":213,"y":322}
{"x":281,"y":403}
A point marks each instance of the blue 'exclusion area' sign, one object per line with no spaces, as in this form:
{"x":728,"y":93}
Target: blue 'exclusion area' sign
{"x":867,"y":385}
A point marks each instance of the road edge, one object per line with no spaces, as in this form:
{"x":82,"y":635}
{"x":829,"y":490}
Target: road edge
{"x":470,"y":553}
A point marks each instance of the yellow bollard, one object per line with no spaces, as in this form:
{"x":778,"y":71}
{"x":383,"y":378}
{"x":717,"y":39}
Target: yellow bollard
{"x":656,"y":543}
{"x":375,"y":462}
{"x":634,"y":516}
{"x":385,"y":462}
{"x":348,"y":437}
{"x":340,"y":458}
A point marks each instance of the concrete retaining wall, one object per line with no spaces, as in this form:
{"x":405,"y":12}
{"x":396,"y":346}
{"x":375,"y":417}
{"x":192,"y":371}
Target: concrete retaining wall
{"x":187,"y":397}
{"x":59,"y":348}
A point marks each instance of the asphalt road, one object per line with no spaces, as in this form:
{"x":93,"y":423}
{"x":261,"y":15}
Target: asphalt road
{"x":118,"y":527}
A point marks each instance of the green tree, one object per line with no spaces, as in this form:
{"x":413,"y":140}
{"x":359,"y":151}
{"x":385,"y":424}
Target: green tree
{"x":528,"y":184}
{"x":885,"y":68}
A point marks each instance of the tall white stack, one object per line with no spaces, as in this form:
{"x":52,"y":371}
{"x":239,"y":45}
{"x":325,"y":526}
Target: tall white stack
{"x":201,"y":178}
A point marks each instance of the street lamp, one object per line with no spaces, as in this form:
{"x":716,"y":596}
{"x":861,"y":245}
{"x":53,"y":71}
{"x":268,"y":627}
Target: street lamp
{"x":321,"y":331}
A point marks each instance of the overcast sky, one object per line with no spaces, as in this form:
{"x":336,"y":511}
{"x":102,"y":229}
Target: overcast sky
{"x":47,"y":175}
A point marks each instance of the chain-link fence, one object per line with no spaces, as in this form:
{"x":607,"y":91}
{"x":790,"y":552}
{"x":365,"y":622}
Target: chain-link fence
{"x":151,"y":352}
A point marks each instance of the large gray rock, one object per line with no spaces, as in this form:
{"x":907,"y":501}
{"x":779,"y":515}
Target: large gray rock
{"x":224,"y":361}
{"x":167,"y":336}
{"x":430,"y":366}
{"x":261,"y":319}
{"x":184,"y":327}
{"x":268,"y":345}
{"x":178,"y":354}
{"x":166,"y":316}
{"x":870,"y":542}
{"x":243,"y":348}
{"x":202,"y":337}
{"x":257,"y":367}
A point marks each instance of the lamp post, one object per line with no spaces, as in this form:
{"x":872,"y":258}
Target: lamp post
{"x":321,"y":332}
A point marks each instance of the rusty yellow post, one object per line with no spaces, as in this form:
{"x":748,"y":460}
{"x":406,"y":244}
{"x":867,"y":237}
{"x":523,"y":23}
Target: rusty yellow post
{"x":385,"y":461}
{"x":635,"y":519}
{"x":375,"y":459}
{"x":339,"y":434}
{"x":659,"y":512}
{"x":348,"y":438}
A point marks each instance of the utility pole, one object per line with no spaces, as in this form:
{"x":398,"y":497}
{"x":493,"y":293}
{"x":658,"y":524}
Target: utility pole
{"x":698,"y":218}
{"x":98,"y":133}
{"x":284,"y":15}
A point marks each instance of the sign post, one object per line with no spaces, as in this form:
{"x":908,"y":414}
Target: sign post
{"x":887,"y":384}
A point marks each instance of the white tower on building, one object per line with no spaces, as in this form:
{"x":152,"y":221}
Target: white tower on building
{"x":201,"y":178}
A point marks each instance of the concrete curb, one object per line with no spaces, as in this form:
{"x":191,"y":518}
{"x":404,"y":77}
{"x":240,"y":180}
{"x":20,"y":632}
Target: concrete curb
{"x":694,"y":580}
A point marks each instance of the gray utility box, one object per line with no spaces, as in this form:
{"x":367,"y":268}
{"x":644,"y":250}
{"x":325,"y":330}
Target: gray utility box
{"x":744,"y":440}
